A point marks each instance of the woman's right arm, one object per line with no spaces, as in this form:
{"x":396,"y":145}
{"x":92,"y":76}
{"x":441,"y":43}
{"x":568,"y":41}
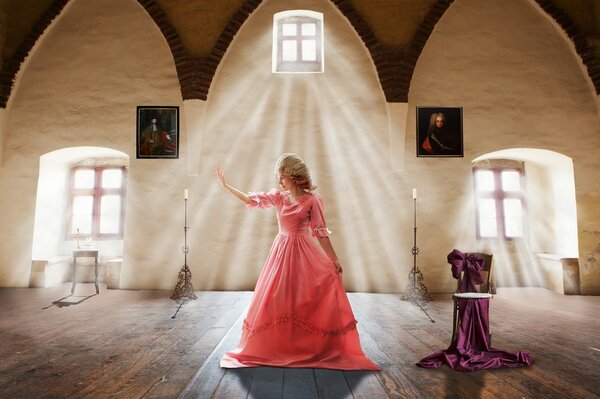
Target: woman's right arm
{"x":220,"y":173}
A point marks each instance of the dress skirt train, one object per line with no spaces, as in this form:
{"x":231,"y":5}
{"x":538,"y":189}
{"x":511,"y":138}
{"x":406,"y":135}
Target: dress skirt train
{"x":299,"y":315}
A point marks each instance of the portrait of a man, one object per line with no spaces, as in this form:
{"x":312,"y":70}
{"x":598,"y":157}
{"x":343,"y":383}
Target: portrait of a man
{"x":157,"y":132}
{"x":439,"y":132}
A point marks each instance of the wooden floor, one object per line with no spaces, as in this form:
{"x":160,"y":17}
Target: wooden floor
{"x":125,"y":344}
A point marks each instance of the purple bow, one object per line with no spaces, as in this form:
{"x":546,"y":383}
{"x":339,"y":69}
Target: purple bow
{"x":471,"y":265}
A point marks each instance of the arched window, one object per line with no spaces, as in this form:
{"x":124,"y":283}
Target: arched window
{"x":97,"y":201}
{"x":298,"y":41}
{"x":500,"y":199}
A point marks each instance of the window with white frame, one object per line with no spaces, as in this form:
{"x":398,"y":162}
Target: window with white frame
{"x":97,"y":202}
{"x":298,"y":41}
{"x":500,"y":203}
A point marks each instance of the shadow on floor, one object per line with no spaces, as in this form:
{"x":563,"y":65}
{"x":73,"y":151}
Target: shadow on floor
{"x":277,"y":382}
{"x":69,"y":300}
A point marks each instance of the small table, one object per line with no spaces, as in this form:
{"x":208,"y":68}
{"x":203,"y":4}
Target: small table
{"x":85,"y":253}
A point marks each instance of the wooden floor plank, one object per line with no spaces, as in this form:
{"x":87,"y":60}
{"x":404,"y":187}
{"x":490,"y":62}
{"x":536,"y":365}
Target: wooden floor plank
{"x":299,"y":383}
{"x":214,"y":329}
{"x":331,"y":384}
{"x":144,"y":363}
{"x":81,"y":351}
{"x":365,"y":384}
{"x":235,"y":383}
{"x":209,"y":375}
{"x":124,"y":344}
{"x":267,"y":383}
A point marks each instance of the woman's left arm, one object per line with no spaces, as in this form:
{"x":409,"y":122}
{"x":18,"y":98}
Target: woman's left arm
{"x":328,"y":248}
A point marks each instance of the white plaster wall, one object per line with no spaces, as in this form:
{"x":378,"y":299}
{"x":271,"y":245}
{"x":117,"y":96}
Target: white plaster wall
{"x":540,"y":209}
{"x":50,"y":209}
{"x":493,"y":59}
{"x":563,"y":189}
{"x":337,"y":121}
{"x":103,"y":58}
{"x":81,"y":86}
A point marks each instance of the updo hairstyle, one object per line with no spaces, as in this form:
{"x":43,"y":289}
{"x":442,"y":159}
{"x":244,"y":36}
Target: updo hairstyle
{"x":292,"y":166}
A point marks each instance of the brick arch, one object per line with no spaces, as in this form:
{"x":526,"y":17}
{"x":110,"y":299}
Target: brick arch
{"x":12,"y":65}
{"x":394,"y":67}
{"x":580,"y":40}
{"x":196,"y":73}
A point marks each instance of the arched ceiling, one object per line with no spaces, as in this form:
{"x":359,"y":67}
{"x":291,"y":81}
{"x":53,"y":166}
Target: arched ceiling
{"x":200,"y":31}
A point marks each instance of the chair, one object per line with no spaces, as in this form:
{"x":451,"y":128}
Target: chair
{"x":469,"y":289}
{"x":470,"y":349}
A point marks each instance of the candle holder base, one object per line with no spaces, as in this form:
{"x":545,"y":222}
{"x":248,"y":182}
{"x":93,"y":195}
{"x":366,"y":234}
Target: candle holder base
{"x":184,"y":287}
{"x":415,"y":290}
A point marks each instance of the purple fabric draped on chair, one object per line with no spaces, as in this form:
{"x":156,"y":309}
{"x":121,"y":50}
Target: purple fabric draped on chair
{"x":471,"y":350}
{"x":471,"y":265}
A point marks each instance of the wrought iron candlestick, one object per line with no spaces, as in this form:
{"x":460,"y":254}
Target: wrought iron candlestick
{"x":415,"y":290}
{"x":184,"y":287}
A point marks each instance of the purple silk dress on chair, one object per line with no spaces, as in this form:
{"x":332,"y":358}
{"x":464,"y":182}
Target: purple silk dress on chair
{"x":471,"y":351}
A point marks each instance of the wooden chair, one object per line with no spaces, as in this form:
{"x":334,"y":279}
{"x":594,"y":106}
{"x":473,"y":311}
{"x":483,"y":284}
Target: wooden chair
{"x":484,"y":290}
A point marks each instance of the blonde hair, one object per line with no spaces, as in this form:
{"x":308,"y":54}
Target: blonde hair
{"x":292,"y":166}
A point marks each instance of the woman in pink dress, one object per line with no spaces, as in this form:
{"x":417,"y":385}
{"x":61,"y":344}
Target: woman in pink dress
{"x":299,"y":315}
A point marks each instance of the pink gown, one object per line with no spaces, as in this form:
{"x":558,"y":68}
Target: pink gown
{"x":299,"y":315}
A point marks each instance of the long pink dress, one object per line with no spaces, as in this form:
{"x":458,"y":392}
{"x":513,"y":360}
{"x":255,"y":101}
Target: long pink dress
{"x":299,"y":315}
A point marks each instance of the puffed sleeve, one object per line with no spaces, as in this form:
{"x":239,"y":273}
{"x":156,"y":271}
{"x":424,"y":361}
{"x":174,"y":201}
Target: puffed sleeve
{"x":317,"y":218}
{"x":264,"y":200}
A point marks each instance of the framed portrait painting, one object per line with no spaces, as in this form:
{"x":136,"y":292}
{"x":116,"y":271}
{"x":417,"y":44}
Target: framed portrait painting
{"x":157,"y":132}
{"x":439,"y":132}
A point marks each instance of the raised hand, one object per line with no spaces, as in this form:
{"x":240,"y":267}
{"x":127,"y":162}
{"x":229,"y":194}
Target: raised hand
{"x":220,"y":173}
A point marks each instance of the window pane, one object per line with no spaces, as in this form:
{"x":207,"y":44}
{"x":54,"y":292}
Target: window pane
{"x":309,"y":50}
{"x":513,"y":220}
{"x":289,"y":29}
{"x":487,"y":208}
{"x":109,"y":224}
{"x":511,"y":180}
{"x":111,"y":178}
{"x":488,"y":227}
{"x":309,"y":29}
{"x":82,"y":214}
{"x":84,"y":178}
{"x":484,"y":180}
{"x":487,"y":218}
{"x":514,"y":227}
{"x":82,"y":205}
{"x":110,"y":213}
{"x":110,"y":204}
{"x":83,"y":223}
{"x":289,"y":50}
{"x":512,"y":208}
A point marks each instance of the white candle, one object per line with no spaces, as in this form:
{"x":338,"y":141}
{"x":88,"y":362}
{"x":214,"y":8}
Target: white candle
{"x":185,"y":194}
{"x":414,"y":193}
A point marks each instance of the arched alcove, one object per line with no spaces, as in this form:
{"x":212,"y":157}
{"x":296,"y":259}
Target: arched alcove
{"x":51,"y":244}
{"x":548,"y":251}
{"x":341,"y":130}
{"x":552,"y":208}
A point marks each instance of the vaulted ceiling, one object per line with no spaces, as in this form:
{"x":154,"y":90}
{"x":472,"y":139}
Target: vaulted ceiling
{"x":200,"y":31}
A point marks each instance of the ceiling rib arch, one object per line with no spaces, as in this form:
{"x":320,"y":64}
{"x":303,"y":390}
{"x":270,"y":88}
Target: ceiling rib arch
{"x":580,"y":40}
{"x":12,"y":65}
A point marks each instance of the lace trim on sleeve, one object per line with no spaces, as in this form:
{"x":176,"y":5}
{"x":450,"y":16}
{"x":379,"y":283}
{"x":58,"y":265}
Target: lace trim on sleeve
{"x":321,"y":232}
{"x":302,"y":323}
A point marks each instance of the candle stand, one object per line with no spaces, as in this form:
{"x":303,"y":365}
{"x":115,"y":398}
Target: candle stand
{"x":415,"y":290}
{"x":184,"y":288}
